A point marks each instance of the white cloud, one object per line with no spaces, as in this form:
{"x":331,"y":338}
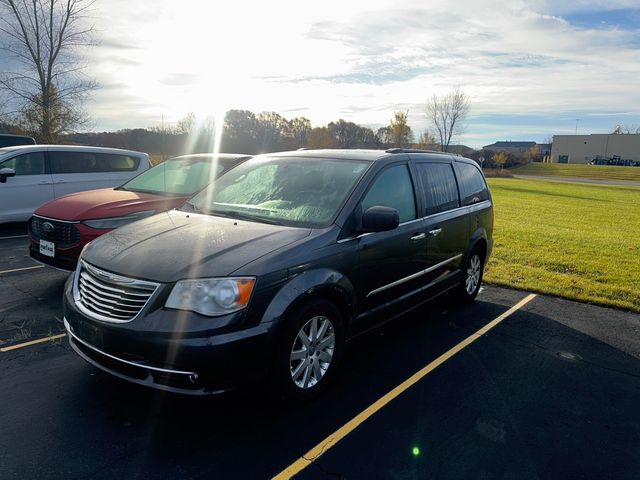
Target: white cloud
{"x":359,"y":60}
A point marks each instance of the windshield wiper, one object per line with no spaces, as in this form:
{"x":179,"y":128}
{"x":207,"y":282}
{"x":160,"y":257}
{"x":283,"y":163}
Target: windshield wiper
{"x":151,"y":192}
{"x":243,"y":216}
{"x":188,"y":207}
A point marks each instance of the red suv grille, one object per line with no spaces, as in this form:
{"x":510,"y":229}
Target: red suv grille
{"x":64,"y":234}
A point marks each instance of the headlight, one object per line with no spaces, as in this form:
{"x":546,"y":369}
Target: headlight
{"x":211,"y":296}
{"x":115,"y":222}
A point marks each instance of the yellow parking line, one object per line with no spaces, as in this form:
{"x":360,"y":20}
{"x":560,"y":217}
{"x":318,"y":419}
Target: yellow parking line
{"x":321,"y":448}
{"x":32,"y":342}
{"x":21,"y":269}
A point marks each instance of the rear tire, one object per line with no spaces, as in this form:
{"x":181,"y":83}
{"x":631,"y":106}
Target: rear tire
{"x":309,"y":350}
{"x":472,"y":277}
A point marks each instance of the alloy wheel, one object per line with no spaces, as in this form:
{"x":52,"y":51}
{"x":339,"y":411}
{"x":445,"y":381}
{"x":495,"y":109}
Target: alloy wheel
{"x":473,"y":274}
{"x":312,"y":352}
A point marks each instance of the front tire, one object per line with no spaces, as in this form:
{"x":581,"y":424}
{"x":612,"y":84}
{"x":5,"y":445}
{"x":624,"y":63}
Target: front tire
{"x":309,"y":350}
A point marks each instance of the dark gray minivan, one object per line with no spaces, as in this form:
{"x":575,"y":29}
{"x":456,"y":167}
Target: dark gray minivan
{"x":273,"y":268}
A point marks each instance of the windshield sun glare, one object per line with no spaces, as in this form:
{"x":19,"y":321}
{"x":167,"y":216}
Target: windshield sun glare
{"x":294,"y":191}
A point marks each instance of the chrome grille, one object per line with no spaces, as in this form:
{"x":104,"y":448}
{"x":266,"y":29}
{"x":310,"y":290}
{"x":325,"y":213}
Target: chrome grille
{"x":59,"y":232}
{"x":109,"y":297}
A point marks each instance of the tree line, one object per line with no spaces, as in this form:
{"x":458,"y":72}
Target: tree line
{"x":244,"y":131}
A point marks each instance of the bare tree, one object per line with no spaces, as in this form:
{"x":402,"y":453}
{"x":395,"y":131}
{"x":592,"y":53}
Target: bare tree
{"x":47,"y":86}
{"x":447,"y":114}
{"x":187,"y":124}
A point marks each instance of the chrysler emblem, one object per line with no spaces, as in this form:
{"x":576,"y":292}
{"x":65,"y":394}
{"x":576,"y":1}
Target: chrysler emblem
{"x":47,"y":227}
{"x":109,"y":277}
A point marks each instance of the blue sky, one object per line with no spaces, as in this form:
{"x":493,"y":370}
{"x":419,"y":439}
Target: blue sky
{"x":620,"y":18}
{"x":531,"y":68}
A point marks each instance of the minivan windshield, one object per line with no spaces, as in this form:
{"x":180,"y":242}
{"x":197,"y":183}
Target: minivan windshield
{"x":283,"y":190}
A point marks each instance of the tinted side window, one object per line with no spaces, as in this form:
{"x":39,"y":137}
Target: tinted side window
{"x":107,"y":162}
{"x":393,"y":188}
{"x":440,"y":187}
{"x":26,"y":164}
{"x":72,"y":162}
{"x":474,"y":189}
{"x":89,"y":162}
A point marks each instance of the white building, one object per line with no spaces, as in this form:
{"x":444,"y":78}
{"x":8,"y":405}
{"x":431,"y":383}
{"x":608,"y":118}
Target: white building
{"x":584,"y":148}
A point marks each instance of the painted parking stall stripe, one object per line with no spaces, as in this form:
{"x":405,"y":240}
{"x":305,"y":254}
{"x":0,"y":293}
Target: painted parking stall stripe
{"x":14,"y":270}
{"x":32,"y":342}
{"x":322,"y":447}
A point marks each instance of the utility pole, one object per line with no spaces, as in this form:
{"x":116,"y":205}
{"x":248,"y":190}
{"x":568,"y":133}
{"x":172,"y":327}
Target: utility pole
{"x":577,"y":120}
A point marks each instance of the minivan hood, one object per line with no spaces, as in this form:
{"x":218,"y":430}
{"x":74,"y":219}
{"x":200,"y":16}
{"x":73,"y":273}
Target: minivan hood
{"x":175,"y":245}
{"x":105,"y":203}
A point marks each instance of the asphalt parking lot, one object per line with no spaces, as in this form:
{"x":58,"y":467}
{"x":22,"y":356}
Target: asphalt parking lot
{"x":549,"y":390}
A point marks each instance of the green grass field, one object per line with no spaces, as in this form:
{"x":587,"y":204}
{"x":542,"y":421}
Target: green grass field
{"x":576,"y":241}
{"x":596,"y":172}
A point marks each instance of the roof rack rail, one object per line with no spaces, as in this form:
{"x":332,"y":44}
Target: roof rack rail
{"x":415,"y":150}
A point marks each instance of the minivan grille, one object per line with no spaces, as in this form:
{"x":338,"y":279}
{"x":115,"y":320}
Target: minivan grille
{"x":59,"y":232}
{"x":111,"y":297}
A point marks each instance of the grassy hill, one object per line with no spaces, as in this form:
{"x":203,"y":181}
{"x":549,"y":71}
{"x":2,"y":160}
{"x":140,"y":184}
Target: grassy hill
{"x":596,"y":172}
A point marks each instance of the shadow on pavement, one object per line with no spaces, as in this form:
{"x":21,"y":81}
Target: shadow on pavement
{"x":531,"y":399}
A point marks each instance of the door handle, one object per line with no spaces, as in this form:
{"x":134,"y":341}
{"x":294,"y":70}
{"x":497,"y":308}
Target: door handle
{"x":44,"y":182}
{"x":417,"y":237}
{"x":435,"y":232}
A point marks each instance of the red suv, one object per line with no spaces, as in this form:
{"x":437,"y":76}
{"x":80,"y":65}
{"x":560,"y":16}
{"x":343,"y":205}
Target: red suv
{"x":60,"y":229}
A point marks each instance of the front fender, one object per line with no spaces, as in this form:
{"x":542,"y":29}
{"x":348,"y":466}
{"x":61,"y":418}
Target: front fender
{"x":311,"y":283}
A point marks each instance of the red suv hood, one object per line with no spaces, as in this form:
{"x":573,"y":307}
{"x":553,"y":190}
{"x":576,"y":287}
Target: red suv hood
{"x":105,"y":203}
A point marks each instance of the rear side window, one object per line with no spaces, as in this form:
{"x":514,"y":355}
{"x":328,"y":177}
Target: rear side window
{"x":90,"y":162}
{"x":474,"y":189}
{"x":440,"y":187}
{"x":107,"y":162}
{"x":26,"y":164}
{"x":393,"y":188}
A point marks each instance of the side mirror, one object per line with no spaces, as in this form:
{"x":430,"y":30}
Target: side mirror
{"x":380,"y":219}
{"x":6,"y":173}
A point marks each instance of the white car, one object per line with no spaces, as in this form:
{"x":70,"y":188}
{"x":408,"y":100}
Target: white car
{"x":31,"y":175}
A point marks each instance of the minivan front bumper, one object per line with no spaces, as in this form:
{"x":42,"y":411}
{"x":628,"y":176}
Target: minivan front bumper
{"x":193,"y":362}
